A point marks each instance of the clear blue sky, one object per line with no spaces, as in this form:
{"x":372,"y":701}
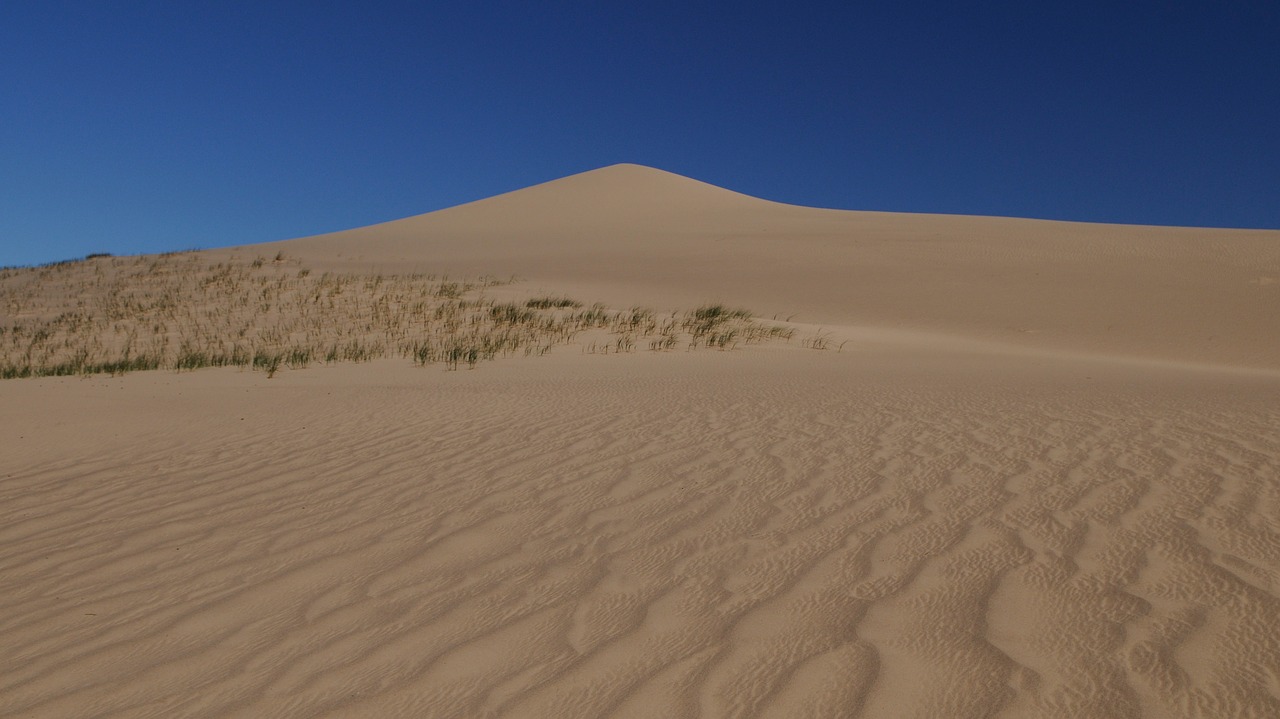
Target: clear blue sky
{"x":148,"y":126}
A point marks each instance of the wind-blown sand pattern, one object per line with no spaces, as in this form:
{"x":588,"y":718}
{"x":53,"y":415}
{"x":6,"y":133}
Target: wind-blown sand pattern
{"x":925,"y":523}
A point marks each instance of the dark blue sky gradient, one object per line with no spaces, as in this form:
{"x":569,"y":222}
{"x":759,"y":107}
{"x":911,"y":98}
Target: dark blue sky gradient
{"x":160,"y":127}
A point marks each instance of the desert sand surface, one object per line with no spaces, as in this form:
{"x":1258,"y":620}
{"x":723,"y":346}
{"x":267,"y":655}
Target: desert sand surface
{"x":996,"y":467}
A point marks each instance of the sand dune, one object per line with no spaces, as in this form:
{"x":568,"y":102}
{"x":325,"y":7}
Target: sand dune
{"x":947,"y":517}
{"x":634,"y":235}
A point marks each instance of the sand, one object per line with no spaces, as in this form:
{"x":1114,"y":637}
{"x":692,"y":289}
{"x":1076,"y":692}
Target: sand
{"x":1040,"y":478}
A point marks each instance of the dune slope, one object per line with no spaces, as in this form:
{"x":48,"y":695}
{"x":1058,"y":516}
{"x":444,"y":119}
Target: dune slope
{"x":634,"y":235}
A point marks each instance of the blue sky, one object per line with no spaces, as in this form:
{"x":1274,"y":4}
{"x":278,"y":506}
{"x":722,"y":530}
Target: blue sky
{"x":150,"y":126}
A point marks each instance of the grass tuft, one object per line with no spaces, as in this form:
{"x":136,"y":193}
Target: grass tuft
{"x":549,"y":303}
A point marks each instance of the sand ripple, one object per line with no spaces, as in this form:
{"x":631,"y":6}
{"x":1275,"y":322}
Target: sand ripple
{"x":630,"y":540}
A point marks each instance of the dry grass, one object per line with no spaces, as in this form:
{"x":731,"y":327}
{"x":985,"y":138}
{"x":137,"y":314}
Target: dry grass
{"x":178,"y":311}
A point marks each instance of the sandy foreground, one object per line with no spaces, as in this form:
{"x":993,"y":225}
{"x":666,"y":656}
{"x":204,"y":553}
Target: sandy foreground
{"x":1041,"y":478}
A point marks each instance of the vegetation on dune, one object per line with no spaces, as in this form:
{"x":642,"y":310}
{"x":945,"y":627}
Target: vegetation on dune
{"x":179,"y":311}
{"x":546,"y":303}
